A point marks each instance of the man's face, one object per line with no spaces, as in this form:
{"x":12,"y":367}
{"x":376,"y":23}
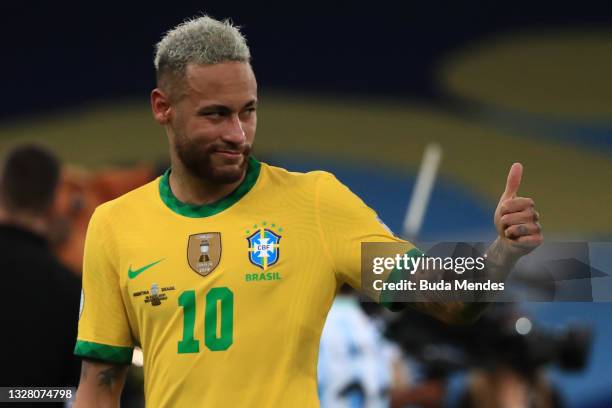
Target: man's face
{"x":213,"y":122}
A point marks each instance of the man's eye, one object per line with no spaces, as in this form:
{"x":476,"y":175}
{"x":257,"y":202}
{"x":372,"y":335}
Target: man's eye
{"x":212,"y":114}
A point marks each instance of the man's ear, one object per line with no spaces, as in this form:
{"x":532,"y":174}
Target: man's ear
{"x":160,"y":105}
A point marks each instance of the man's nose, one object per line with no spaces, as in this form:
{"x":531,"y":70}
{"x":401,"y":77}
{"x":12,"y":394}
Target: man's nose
{"x":234,"y":133}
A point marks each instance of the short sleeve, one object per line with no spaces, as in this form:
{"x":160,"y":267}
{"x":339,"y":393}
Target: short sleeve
{"x":104,"y":332}
{"x":346,"y":222}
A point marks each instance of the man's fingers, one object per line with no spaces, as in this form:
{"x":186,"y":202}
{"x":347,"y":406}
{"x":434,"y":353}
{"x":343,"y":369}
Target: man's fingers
{"x":522,"y":217}
{"x":530,"y":241}
{"x":513,"y":182}
{"x":515,"y":205}
{"x":516,"y":219}
{"x":521,"y":230}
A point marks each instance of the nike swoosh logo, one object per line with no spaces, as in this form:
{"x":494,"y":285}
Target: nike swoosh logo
{"x":132,"y":274}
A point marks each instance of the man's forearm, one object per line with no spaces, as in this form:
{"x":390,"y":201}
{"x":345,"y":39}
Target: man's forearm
{"x":461,"y":307}
{"x":101,"y":385}
{"x":500,"y":259}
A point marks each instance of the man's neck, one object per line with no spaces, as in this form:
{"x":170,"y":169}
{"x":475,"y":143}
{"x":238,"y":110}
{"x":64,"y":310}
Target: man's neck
{"x":28,"y":222}
{"x":195,"y":191}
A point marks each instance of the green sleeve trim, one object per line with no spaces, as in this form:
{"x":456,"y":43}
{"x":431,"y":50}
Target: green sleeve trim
{"x":387,"y":297}
{"x":97,"y":351}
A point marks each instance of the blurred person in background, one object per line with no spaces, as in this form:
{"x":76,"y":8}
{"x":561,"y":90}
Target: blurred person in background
{"x":40,"y":296}
{"x":360,"y":368}
{"x":357,"y":366}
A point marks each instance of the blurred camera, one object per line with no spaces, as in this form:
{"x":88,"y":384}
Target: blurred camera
{"x":502,"y":336}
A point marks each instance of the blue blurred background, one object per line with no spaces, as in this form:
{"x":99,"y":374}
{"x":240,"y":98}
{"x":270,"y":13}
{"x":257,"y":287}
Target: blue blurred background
{"x":360,"y":90}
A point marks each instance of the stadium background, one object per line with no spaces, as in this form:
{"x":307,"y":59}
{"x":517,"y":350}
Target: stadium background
{"x":360,"y":90}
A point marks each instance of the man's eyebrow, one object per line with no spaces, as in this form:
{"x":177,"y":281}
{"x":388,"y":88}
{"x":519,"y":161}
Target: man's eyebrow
{"x":214,"y":108}
{"x":224,"y":108}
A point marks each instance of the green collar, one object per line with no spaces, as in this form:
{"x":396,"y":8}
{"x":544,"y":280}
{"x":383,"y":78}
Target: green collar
{"x":207,"y":210}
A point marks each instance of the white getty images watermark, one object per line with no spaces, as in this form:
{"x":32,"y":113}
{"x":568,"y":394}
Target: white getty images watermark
{"x":423,"y":263}
{"x":447,"y":271}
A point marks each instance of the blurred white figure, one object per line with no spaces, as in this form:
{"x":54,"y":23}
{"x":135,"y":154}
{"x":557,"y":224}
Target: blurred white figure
{"x":356,"y":363}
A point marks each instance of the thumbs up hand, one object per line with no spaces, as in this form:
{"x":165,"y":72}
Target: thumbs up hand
{"x":515,"y":218}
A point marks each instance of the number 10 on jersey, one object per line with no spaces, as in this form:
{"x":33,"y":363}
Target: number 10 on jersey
{"x":218,"y":320}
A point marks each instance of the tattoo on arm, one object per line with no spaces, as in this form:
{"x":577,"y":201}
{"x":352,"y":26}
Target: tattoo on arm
{"x":107,"y":377}
{"x":464,"y":307}
{"x":499,"y":261}
{"x":495,"y":252}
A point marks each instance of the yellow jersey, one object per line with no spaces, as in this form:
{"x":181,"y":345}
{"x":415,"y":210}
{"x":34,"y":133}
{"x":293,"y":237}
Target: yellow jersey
{"x":227,"y":300}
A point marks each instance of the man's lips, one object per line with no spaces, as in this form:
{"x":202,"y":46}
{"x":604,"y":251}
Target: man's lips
{"x":229,"y":154}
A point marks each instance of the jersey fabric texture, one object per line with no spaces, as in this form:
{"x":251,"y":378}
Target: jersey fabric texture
{"x":226,"y":300}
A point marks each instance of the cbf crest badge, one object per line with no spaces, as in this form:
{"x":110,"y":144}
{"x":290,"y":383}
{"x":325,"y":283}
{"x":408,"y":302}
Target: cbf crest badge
{"x":264,"y":247}
{"x":204,"y":252}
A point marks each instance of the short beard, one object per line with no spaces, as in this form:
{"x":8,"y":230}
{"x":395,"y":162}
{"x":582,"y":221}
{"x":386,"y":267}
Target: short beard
{"x":197,"y":161}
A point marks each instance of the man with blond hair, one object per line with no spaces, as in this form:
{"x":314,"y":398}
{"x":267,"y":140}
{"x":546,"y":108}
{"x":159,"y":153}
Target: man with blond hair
{"x":223,"y":269}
